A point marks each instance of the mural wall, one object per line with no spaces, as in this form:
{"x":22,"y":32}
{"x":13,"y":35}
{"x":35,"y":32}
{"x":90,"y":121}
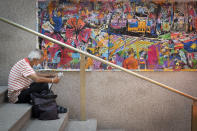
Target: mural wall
{"x":135,"y":34}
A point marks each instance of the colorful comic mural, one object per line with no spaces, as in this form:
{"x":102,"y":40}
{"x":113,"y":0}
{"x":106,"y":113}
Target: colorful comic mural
{"x":135,"y":34}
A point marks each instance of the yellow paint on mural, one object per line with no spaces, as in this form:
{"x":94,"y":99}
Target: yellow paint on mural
{"x":193,"y":46}
{"x":50,"y":44}
{"x":141,"y":26}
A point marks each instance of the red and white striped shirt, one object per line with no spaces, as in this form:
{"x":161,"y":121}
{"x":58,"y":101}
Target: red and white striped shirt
{"x":18,"y":79}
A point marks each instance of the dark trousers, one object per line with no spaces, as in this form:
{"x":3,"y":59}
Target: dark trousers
{"x":24,"y":96}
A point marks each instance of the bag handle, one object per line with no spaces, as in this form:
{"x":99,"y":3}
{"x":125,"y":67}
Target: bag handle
{"x":59,"y":75}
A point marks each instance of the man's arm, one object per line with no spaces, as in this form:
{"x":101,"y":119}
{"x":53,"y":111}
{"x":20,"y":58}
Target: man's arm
{"x":46,"y":74}
{"x":36,"y":78}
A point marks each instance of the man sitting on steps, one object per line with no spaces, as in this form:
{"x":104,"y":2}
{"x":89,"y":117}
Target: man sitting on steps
{"x":23,"y":80}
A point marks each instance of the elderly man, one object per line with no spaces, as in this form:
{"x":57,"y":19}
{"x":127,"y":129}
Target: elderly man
{"x":23,"y":80}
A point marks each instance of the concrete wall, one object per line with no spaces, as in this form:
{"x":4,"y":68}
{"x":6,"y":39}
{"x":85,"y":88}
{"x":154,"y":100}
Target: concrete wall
{"x":14,"y":43}
{"x":119,"y":100}
{"x":115,"y":99}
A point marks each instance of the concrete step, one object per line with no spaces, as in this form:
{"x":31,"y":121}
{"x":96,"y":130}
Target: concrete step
{"x":111,"y":130}
{"x":89,"y":125}
{"x":14,"y":116}
{"x":3,"y":93}
{"x":49,"y":125}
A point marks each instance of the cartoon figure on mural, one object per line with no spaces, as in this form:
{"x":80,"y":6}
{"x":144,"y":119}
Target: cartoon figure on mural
{"x":130,"y":62}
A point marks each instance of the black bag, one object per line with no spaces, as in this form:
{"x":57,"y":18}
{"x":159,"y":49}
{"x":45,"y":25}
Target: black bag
{"x":44,"y":105}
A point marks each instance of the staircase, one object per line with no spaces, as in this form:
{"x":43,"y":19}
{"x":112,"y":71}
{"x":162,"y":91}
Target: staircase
{"x":15,"y":117}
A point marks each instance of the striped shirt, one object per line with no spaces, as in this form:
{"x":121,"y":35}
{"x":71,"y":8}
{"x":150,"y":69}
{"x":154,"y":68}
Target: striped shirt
{"x":18,"y":79}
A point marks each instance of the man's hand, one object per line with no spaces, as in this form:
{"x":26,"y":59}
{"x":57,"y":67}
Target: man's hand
{"x":56,"y":79}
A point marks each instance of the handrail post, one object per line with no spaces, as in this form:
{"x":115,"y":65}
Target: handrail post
{"x":194,"y":116}
{"x":82,"y":89}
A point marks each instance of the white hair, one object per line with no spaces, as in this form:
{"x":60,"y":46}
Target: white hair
{"x":35,"y":54}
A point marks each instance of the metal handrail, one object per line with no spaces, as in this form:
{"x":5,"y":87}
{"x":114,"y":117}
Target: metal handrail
{"x":99,"y":59}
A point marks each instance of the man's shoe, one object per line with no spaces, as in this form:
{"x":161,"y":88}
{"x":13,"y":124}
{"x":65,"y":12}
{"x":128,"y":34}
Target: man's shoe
{"x":61,"y":109}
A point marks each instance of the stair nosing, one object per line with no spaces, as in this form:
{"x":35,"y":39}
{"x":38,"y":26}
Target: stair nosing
{"x":33,"y":122}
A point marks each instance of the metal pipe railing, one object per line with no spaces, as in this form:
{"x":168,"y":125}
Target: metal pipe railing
{"x":99,"y":59}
